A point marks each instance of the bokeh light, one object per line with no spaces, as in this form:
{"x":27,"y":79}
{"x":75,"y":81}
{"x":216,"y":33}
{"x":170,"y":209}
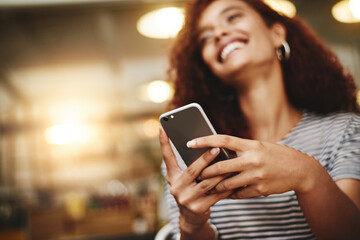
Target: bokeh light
{"x":67,"y":133}
{"x":342,"y":12}
{"x":282,"y":6}
{"x":156,"y":91}
{"x":355,"y":8}
{"x":161,"y":23}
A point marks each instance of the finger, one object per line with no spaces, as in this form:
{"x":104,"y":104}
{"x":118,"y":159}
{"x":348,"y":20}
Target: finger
{"x":194,"y":170}
{"x":209,"y":200}
{"x":233,"y":183}
{"x":223,"y":141}
{"x":206,"y":185}
{"x":246,"y":192}
{"x":214,"y":198}
{"x":234,"y":165}
{"x":172,"y":166}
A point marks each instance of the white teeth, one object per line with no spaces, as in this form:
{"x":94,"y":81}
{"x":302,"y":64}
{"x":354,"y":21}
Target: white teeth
{"x":231,"y":47}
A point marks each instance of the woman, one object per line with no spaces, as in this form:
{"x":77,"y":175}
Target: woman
{"x":289,"y":112}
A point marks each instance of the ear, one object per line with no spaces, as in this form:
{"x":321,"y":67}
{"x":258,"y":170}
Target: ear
{"x":278,"y":34}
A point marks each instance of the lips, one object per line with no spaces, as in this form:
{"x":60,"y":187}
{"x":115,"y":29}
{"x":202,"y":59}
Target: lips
{"x":229,"y":47}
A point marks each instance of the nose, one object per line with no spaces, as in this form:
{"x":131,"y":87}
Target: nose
{"x":220,"y":32}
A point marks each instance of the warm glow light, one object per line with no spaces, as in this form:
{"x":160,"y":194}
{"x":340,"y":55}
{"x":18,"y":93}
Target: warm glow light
{"x":67,"y":133}
{"x":358,"y":97}
{"x":157,"y":91}
{"x":161,"y":23}
{"x":282,"y":6}
{"x":355,"y":8}
{"x":341,"y":12}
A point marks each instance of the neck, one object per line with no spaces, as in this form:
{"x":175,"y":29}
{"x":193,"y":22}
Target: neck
{"x":267,"y":110}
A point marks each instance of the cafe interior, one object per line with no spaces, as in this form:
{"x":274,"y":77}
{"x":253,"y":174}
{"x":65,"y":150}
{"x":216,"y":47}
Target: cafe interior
{"x":82,"y":85}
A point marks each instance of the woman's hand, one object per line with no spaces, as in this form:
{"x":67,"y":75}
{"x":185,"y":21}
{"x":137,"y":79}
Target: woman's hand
{"x":192,"y":198}
{"x":263,"y":168}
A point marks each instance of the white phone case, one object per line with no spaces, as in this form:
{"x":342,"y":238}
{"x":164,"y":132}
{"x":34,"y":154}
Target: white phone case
{"x":184,"y":124}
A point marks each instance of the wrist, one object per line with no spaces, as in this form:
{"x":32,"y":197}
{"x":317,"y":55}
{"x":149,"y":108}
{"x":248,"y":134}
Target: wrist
{"x":206,"y":231}
{"x":190,"y":228}
{"x":314,"y":175}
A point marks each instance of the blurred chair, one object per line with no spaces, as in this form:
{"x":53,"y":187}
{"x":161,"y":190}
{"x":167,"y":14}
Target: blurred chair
{"x":165,"y":233}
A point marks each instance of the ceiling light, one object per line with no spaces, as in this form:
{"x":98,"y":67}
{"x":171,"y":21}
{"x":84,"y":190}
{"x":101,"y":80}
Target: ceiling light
{"x":282,"y":6}
{"x":156,"y":91}
{"x":355,"y":8}
{"x":67,"y":133}
{"x":161,"y":23}
{"x":159,"y":91}
{"x":342,"y":13}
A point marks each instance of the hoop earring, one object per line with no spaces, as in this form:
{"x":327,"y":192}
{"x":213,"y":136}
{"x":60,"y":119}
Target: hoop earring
{"x":283,"y":52}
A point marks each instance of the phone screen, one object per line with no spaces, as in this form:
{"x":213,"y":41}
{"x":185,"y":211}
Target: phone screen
{"x":184,"y":124}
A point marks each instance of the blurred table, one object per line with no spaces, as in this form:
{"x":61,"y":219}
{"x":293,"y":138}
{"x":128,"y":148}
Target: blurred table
{"x":106,"y":225}
{"x":149,"y":236}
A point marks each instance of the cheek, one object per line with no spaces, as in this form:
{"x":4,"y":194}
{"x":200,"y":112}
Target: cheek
{"x":208,"y":56}
{"x":264,"y":42}
{"x":266,"y":49}
{"x":205,"y":53}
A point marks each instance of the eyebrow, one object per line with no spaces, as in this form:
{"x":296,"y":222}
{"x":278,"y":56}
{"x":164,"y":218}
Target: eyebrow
{"x":203,"y":29}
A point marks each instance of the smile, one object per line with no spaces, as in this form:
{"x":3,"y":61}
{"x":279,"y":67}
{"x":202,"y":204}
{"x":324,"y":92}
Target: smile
{"x":230,"y":48}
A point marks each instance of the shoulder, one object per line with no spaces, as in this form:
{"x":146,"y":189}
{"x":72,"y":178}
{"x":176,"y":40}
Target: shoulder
{"x":332,"y":117}
{"x":332,"y":122}
{"x":320,"y":135}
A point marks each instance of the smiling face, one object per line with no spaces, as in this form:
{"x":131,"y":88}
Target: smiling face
{"x":235,"y":41}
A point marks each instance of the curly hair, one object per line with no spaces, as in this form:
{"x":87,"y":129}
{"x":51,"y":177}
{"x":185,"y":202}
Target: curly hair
{"x":314,"y":78}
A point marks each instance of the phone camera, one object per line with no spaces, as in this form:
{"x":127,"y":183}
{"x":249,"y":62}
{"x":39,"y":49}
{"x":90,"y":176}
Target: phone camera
{"x":166,"y":119}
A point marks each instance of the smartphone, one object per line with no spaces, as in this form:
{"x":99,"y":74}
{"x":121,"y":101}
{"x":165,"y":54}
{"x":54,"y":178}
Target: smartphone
{"x":186,"y":123}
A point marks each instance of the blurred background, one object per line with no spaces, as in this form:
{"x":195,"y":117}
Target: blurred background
{"x":82,"y":84}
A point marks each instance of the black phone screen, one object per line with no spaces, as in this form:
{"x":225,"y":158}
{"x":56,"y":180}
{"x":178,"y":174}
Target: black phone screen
{"x":184,"y":125}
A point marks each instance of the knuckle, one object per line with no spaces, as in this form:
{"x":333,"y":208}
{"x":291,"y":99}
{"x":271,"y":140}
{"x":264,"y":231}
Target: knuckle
{"x":202,"y":176}
{"x":262,"y":189}
{"x":223,"y":186}
{"x":259,"y":144}
{"x":260,"y":175}
{"x":183,"y":201}
{"x":191,"y":171}
{"x":225,"y":140}
{"x":196,"y":208}
{"x":174,"y":190}
{"x":255,"y":161}
{"x":204,"y":185}
{"x":228,"y":185}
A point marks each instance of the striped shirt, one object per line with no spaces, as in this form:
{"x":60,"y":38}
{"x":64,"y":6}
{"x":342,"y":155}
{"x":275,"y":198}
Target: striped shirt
{"x":333,"y":139}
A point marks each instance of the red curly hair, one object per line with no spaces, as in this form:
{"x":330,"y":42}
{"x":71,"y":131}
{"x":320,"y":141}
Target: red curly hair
{"x":314,"y":78}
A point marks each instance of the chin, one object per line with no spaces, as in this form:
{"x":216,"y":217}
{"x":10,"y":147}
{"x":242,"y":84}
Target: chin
{"x":232,"y":71}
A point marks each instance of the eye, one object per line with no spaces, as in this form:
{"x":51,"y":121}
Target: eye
{"x":233,"y":17}
{"x":204,"y":39}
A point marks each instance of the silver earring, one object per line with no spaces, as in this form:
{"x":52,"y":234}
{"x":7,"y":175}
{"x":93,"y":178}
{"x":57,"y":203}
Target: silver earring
{"x":283,"y":52}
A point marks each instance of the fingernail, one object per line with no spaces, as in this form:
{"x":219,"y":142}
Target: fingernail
{"x":191,"y":143}
{"x":214,"y":151}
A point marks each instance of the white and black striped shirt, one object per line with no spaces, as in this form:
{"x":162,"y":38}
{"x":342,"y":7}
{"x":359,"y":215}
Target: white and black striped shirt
{"x":334,"y":140}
